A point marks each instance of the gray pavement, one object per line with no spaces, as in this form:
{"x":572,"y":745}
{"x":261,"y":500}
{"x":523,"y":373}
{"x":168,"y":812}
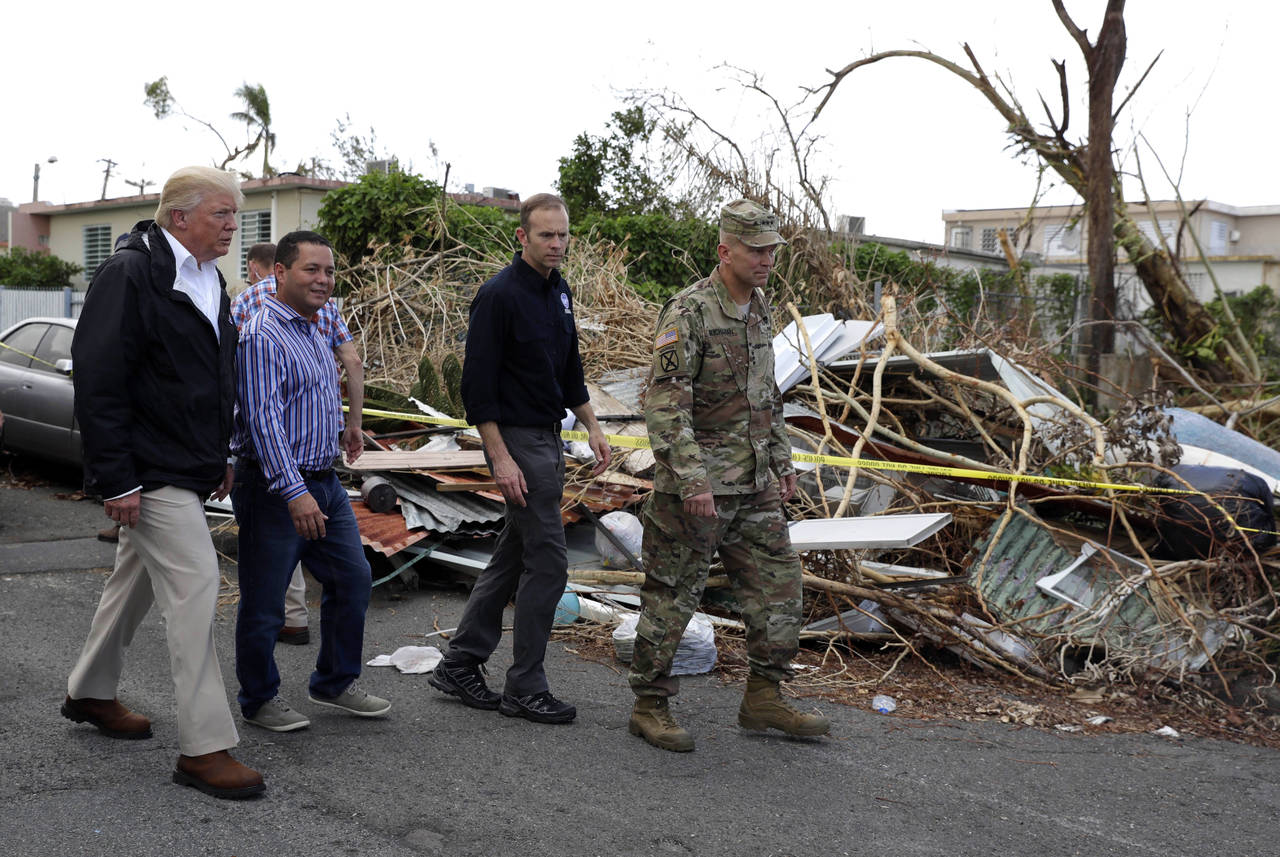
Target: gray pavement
{"x":435,"y":778}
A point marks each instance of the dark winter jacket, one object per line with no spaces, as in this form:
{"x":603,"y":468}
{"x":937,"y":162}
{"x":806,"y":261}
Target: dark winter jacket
{"x":154,"y":388}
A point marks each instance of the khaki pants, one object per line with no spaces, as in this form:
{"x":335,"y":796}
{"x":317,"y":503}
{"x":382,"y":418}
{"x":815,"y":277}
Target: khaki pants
{"x":295,"y":600}
{"x":169,"y":559}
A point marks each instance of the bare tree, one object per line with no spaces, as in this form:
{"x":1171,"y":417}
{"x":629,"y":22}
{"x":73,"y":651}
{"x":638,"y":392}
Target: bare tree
{"x":1088,"y":168}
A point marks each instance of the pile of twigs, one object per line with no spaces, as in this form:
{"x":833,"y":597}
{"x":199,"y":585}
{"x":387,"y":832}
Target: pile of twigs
{"x":405,"y":307}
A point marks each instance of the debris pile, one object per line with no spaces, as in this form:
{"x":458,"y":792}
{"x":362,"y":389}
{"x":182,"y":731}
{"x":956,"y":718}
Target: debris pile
{"x":953,"y":499}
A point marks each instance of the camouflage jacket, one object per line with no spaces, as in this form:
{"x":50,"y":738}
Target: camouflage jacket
{"x":713,"y":409}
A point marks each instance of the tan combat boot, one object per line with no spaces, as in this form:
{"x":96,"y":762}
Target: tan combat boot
{"x":651,"y":719}
{"x":764,"y":708}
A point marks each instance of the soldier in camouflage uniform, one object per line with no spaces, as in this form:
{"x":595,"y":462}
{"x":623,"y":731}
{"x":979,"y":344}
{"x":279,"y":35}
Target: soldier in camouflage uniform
{"x":724,"y":470}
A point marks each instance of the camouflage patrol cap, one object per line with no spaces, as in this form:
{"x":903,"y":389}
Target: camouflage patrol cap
{"x":752,"y":223}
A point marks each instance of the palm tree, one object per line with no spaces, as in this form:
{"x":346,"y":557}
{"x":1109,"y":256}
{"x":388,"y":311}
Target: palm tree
{"x":257,"y":115}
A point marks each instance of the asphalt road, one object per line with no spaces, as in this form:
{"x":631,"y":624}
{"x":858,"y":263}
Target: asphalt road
{"x":435,"y":778}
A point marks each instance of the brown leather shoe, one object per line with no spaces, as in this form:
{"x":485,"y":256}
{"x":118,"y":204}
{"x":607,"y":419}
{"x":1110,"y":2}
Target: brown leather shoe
{"x":111,"y":718}
{"x":110,"y":534}
{"x":219,"y":775}
{"x":298,"y":635}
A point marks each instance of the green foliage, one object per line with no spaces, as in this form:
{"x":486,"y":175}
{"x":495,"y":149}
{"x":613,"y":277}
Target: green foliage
{"x":441,"y":389}
{"x":355,"y":151}
{"x":666,"y":253}
{"x":158,"y":97}
{"x":28,"y":269}
{"x":484,"y":230}
{"x":968,"y":294}
{"x":451,"y":380}
{"x":614,"y":173}
{"x":257,"y":117}
{"x":1258,"y":314}
{"x":381,"y":208}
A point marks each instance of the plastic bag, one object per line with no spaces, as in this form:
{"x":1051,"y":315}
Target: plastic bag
{"x":628,"y":530}
{"x":695,"y":654}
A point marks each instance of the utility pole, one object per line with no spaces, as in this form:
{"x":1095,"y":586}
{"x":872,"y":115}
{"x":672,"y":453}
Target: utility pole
{"x":140,"y":184}
{"x":35,"y":179}
{"x":106,"y":174}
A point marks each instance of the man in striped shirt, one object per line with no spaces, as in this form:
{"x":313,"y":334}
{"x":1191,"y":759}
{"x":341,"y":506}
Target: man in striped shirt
{"x":288,"y":501}
{"x":260,"y":262}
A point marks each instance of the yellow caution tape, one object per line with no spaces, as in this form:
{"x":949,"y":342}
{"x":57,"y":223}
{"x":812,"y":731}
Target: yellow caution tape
{"x":641,"y":442}
{"x":28,"y":356}
{"x":634,"y":442}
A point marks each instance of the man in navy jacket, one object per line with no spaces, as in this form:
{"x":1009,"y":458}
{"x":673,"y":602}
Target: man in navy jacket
{"x":521,"y":372}
{"x":154,"y":383}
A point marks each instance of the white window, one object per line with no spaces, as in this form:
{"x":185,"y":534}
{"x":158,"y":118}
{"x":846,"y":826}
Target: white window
{"x":97,"y":247}
{"x":1064,"y":239}
{"x":962,"y":237}
{"x":1168,"y":228}
{"x":255,"y":228}
{"x":991,"y":238}
{"x":1218,"y":234}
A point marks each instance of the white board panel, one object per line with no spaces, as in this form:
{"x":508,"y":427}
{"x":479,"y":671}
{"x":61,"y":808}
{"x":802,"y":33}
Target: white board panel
{"x":881,"y":531}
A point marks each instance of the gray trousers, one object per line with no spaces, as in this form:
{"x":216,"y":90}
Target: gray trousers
{"x":529,"y":563}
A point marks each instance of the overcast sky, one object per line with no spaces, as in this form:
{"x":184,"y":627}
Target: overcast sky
{"x":502,"y":88}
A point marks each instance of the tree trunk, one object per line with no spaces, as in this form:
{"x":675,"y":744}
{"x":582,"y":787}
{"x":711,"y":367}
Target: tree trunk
{"x":1105,"y":59}
{"x":1188,"y":320}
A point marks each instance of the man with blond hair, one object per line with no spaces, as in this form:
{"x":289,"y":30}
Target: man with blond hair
{"x":154,"y":395}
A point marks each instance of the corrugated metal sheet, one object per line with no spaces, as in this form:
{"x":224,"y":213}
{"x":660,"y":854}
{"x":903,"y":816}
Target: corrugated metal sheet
{"x":454,"y":512}
{"x":386,"y":533}
{"x":1126,"y":617}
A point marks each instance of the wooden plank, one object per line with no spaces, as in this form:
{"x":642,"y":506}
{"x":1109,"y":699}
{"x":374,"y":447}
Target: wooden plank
{"x":445,"y":487}
{"x":417,"y":460}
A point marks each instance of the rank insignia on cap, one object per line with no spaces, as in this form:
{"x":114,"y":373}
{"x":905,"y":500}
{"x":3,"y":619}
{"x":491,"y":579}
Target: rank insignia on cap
{"x":670,"y":336}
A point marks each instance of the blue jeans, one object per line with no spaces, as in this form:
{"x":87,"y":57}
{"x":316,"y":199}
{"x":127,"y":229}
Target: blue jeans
{"x":269,"y":548}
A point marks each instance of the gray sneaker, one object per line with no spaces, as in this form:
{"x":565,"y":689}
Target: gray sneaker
{"x":277,"y":716}
{"x":355,"y":701}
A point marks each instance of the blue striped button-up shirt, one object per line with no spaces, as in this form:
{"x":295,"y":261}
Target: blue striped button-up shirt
{"x":288,"y":407}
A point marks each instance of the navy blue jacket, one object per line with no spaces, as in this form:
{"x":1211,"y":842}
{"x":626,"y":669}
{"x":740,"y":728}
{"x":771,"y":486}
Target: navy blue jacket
{"x":522,"y":366}
{"x":154,"y":388}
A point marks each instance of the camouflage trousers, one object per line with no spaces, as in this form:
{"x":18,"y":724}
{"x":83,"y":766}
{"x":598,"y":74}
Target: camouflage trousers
{"x":751,"y":535}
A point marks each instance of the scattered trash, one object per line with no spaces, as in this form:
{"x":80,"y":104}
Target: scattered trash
{"x":695,"y":654}
{"x":410,"y":659}
{"x":1068,"y":727}
{"x":1013,"y":712}
{"x":627,"y":529}
{"x":1086,"y":695}
{"x":1099,"y":720}
{"x":883,"y":704}
{"x":866,"y":618}
{"x":1167,"y":732}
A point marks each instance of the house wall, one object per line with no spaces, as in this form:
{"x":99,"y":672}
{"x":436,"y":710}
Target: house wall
{"x":62,"y":232}
{"x":67,"y":232}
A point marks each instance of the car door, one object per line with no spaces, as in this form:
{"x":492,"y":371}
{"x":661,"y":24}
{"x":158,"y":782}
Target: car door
{"x":17,"y":350}
{"x":52,"y":397}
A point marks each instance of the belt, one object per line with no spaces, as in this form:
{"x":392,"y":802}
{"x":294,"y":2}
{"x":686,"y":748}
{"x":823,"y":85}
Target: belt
{"x":308,"y":475}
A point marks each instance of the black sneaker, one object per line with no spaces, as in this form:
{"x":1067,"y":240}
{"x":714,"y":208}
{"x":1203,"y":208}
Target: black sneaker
{"x":467,"y":684}
{"x":538,"y":707}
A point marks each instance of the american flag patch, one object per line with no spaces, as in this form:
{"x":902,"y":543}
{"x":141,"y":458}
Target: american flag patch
{"x":670,"y":336}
